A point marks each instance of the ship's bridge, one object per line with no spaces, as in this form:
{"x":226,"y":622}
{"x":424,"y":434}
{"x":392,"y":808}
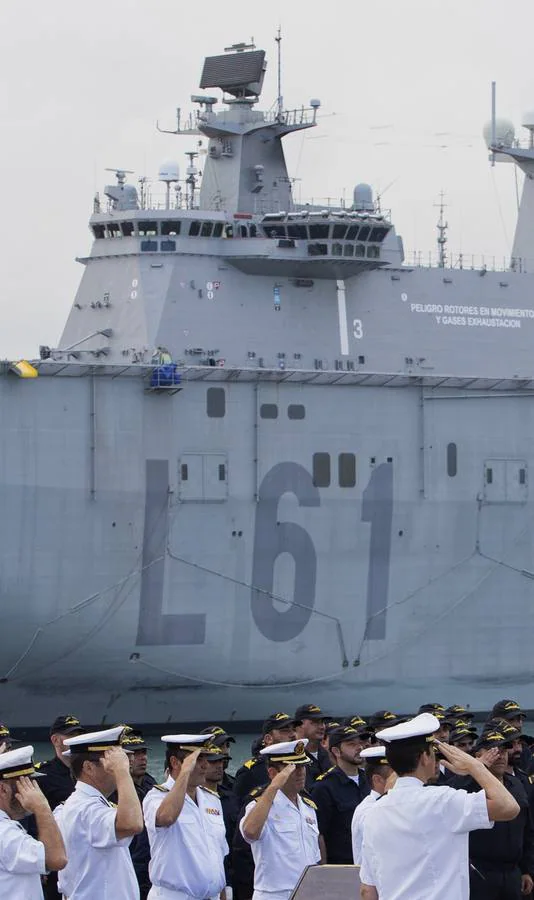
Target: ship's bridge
{"x":332,"y":243}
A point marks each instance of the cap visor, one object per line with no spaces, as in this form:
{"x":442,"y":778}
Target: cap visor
{"x":68,"y":731}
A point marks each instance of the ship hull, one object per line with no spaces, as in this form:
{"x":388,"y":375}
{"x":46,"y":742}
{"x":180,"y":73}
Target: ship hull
{"x":307,"y":542}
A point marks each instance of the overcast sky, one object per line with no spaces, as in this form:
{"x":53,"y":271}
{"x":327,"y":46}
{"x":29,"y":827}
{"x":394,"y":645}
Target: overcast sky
{"x":405,"y":91}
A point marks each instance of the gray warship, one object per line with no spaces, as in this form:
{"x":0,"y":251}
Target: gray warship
{"x":271,"y":460}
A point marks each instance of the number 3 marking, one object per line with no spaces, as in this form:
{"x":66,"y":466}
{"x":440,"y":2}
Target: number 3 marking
{"x":358,"y":328}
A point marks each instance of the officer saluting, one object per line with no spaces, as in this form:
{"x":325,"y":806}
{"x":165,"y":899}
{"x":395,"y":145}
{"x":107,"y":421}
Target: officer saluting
{"x":96,"y":833}
{"x":22,"y":858}
{"x":280,"y":825}
{"x":277,"y":728}
{"x":185,"y":825}
{"x":415,"y":839}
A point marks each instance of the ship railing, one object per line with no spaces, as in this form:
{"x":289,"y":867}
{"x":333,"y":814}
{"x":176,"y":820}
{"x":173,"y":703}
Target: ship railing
{"x":301,"y":116}
{"x":152,"y":195}
{"x":422,"y":259}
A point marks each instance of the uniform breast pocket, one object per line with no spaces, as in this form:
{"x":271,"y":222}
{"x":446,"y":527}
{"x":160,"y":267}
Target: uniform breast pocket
{"x":216,"y":822}
{"x":286,"y":833}
{"x":186,"y":820}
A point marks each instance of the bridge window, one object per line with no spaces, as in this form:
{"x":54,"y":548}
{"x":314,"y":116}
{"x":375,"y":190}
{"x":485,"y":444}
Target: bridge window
{"x":317,"y":249}
{"x":206,"y":229}
{"x":319,"y":231}
{"x":127,"y":228}
{"x":359,"y":250}
{"x":171,"y":227}
{"x":353,"y":232}
{"x":194,"y":229}
{"x":452,"y":460}
{"x":364,"y":233}
{"x":348,"y":250}
{"x":216,"y":403}
{"x":273,"y":231}
{"x":337,"y":249}
{"x":269,"y":410}
{"x":339,"y":232}
{"x":149,"y":246}
{"x":321,"y":469}
{"x":217,"y":229}
{"x":147,"y":229}
{"x":296,"y":411}
{"x":347,"y":469}
{"x":378,"y":234}
{"x":99,"y":231}
{"x":253,"y":231}
{"x":114,"y":230}
{"x":168,"y":246}
{"x":297,"y":231}
{"x":373,"y":252}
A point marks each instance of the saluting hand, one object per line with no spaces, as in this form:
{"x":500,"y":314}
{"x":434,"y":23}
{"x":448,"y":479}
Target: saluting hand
{"x":30,"y":795}
{"x":190,"y":762}
{"x":456,"y":760}
{"x":282,"y":777}
{"x":488,"y":757}
{"x":116,"y":761}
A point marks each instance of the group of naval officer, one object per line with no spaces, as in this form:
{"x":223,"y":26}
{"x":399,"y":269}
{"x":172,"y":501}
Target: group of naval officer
{"x":308,"y":795}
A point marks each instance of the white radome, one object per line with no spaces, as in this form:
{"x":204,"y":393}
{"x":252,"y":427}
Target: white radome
{"x":504,"y":132}
{"x":169,"y":171}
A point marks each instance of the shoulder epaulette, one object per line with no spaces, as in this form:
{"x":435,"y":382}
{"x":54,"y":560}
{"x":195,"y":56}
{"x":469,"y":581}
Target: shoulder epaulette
{"x":161,"y":787}
{"x":249,"y":763}
{"x":309,"y":802}
{"x":256,"y":792}
{"x":320,"y":777}
{"x":531,"y":779}
{"x":209,"y":790}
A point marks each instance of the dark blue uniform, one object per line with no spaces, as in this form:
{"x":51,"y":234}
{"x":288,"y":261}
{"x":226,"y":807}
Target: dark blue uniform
{"x":337,"y":796}
{"x":500,"y":856}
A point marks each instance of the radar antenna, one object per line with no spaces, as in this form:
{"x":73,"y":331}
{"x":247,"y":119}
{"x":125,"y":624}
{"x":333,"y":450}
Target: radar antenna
{"x":120,"y":174}
{"x":442,"y":227}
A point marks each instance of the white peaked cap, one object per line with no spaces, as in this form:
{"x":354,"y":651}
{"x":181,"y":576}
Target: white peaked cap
{"x":421,"y":726}
{"x":188,"y":741}
{"x":16,"y":763}
{"x":94,"y":741}
{"x":373,"y":753}
{"x":287,"y":752}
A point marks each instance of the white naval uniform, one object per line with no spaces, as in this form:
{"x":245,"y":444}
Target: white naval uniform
{"x":288,"y":843}
{"x":22,"y":862}
{"x":187,"y":858}
{"x":99,"y":865}
{"x":357,"y":824}
{"x":416,"y":839}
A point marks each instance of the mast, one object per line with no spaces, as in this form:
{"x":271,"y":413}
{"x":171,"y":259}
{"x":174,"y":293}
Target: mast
{"x":442,"y":227}
{"x":279,"y":99}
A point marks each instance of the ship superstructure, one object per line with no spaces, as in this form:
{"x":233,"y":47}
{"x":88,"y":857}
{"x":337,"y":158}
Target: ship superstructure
{"x":269,"y":459}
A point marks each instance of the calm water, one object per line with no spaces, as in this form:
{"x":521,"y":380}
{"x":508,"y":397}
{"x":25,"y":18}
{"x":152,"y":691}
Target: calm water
{"x":239,"y":752}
